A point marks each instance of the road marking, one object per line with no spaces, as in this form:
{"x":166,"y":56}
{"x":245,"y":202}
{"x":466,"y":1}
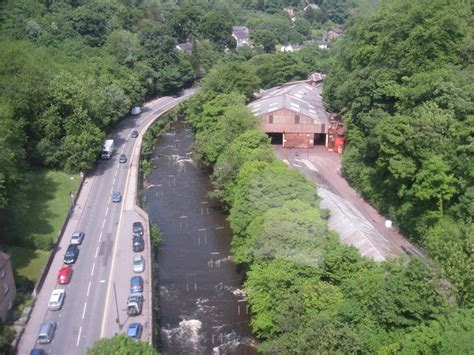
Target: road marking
{"x":102,"y":281}
{"x":93,"y":267}
{"x":96,"y":252}
{"x":88,"y":289}
{"x":100,"y":237}
{"x":114,"y":253}
{"x":220,"y":227}
{"x":103,"y":224}
{"x":79,"y":336}
{"x":107,"y":211}
{"x":84,"y":310}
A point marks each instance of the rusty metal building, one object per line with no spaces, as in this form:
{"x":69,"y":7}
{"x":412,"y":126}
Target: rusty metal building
{"x":293,"y":114}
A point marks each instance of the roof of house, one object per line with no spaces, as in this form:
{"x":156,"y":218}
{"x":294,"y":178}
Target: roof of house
{"x":240,"y":32}
{"x":311,"y":6}
{"x":185,"y":46}
{"x":299,"y":97}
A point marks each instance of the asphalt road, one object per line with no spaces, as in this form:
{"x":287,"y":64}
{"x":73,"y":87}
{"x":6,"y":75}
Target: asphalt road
{"x":83,"y":317}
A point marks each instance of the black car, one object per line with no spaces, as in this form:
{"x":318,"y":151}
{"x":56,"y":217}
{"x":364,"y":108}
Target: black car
{"x":137,"y":229}
{"x":123,"y":158}
{"x":71,"y":254}
{"x":138,"y":244}
{"x":134,"y":134}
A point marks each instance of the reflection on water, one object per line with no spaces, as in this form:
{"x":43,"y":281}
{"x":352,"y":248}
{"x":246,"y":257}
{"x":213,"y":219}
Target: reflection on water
{"x":202,"y":308}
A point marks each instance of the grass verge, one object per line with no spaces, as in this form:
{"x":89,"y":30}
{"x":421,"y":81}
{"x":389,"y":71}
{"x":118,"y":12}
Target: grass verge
{"x":31,"y":223}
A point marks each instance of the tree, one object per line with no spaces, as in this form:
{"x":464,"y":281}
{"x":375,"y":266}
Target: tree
{"x":433,"y":182}
{"x":294,"y":231}
{"x":252,"y":145}
{"x":231,"y":77}
{"x":12,"y":159}
{"x":450,"y":243}
{"x":217,"y":28}
{"x":120,"y":344}
{"x":267,"y":188}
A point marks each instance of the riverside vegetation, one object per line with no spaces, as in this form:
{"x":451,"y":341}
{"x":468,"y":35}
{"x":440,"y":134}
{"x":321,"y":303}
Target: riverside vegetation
{"x":401,"y":77}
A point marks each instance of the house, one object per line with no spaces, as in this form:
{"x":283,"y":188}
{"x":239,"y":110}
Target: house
{"x":185,"y":47}
{"x":290,"y":10}
{"x":322,"y":45}
{"x":7,"y":286}
{"x":291,"y":48}
{"x":241,"y":35}
{"x":332,"y":34}
{"x":311,"y":6}
{"x":293,"y":114}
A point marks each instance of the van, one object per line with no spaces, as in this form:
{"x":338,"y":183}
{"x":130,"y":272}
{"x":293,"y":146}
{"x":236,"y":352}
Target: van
{"x":46,"y":332}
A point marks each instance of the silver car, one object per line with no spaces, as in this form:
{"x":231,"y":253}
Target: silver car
{"x":138,"y":263}
{"x":77,"y":238}
{"x":46,"y":332}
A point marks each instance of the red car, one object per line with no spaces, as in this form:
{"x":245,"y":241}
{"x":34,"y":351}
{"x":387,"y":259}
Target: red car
{"x":64,"y":275}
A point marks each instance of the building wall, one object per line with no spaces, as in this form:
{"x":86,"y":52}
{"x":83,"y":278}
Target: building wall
{"x":7,"y":286}
{"x":284,"y":121}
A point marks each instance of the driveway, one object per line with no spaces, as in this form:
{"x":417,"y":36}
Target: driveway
{"x":356,"y":221}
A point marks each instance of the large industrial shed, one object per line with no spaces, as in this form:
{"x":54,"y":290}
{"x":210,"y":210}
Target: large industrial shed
{"x":293,"y":114}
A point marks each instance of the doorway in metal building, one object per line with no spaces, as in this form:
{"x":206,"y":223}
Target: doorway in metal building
{"x":319,"y":139}
{"x":276,"y":138}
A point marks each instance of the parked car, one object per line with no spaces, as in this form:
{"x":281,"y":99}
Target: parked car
{"x":138,"y":263}
{"x":56,"y":300}
{"x":116,"y":197}
{"x":138,"y":244}
{"x":136,"y":110}
{"x":77,"y":238}
{"x":46,"y":332}
{"x":134,"y":304}
{"x":135,"y":330}
{"x":64,"y":275}
{"x":137,"y":229}
{"x":134,"y":134}
{"x":136,"y":284}
{"x":123,"y":158}
{"x":71,"y":254}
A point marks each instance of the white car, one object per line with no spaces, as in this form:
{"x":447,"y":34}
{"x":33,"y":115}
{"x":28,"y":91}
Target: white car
{"x":77,"y":238}
{"x":138,"y":263}
{"x":56,"y":300}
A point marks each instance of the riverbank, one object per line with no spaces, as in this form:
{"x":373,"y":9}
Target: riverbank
{"x":202,"y":307}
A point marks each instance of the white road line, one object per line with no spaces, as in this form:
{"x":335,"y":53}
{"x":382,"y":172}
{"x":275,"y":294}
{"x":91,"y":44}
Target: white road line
{"x":84,"y":310}
{"x":93,"y":267}
{"x":79,"y":336}
{"x":103,"y":224}
{"x":107,"y":211}
{"x":88,"y":289}
{"x":100,"y":237}
{"x":113,"y":182}
{"x":96,"y":252}
{"x":220,"y":227}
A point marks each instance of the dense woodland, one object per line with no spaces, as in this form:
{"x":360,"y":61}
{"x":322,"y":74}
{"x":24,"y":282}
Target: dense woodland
{"x":406,"y":92}
{"x":401,"y":77}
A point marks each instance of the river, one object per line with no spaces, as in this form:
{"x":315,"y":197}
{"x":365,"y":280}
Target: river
{"x":202,"y":307}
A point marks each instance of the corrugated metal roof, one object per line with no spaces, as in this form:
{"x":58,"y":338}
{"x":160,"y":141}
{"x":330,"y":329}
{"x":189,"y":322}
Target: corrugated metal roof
{"x":299,"y":97}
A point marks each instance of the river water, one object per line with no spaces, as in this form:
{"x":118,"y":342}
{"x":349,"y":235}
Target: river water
{"x":202,"y":310}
